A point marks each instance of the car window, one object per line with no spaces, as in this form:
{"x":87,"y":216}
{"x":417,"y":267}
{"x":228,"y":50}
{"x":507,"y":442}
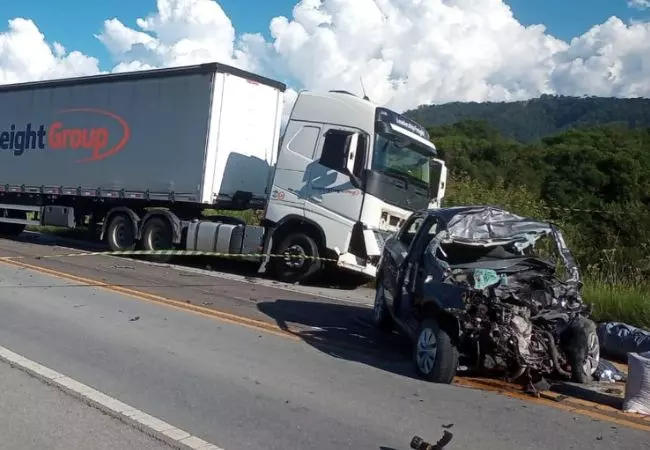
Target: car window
{"x":412,"y":227}
{"x":433,"y":229}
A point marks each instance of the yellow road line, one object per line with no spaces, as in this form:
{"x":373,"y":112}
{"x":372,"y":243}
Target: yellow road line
{"x":572,"y":405}
{"x":557,"y":401}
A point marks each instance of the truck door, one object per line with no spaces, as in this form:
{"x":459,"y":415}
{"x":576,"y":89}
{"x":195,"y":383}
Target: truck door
{"x":287,"y":192}
{"x":334,"y":200}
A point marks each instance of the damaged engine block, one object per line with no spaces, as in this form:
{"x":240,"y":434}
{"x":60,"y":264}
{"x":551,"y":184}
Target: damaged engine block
{"x":514,"y":322}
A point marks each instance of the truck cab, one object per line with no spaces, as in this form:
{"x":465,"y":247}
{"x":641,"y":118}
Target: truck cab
{"x":348,"y":173}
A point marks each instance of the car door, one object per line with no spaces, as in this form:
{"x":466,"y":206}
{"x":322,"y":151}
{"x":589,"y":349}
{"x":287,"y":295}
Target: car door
{"x":394,"y":256}
{"x":411,"y":272}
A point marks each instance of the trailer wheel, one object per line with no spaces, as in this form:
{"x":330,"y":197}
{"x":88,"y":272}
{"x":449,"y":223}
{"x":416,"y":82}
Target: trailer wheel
{"x":13,"y":229}
{"x":120,"y":235}
{"x":157,"y":234}
{"x":300,"y":258}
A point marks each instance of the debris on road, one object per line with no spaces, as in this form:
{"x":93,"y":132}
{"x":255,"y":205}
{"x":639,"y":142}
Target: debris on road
{"x":617,"y":339}
{"x":608,"y":372}
{"x":417,"y":443}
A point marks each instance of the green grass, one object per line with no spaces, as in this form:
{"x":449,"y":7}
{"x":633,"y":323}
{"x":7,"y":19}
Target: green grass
{"x":620,"y":302}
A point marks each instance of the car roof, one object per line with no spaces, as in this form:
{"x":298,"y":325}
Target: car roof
{"x":448,"y":213}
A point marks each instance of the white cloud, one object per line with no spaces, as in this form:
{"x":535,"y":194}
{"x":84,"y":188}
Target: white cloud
{"x":639,"y":4}
{"x":409,"y":52}
{"x":26,"y":56}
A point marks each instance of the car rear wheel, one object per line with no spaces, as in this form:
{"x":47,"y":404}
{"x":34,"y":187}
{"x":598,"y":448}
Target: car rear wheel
{"x":380,"y":315}
{"x":435,"y":355}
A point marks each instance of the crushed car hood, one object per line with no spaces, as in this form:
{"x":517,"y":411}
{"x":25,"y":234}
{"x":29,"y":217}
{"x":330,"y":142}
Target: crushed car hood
{"x":491,"y":226}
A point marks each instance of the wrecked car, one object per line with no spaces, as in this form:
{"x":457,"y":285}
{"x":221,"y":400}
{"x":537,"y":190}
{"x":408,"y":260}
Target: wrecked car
{"x":470,"y":282}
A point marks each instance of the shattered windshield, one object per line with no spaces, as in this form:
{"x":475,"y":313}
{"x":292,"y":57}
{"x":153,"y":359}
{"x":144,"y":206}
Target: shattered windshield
{"x":401,"y":158}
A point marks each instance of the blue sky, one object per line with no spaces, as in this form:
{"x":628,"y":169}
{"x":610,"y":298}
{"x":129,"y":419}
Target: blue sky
{"x":74,"y":22}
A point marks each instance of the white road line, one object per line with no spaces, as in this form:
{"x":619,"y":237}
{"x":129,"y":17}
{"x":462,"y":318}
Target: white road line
{"x":150,"y":425}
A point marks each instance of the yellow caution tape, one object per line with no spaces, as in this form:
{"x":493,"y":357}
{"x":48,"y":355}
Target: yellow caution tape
{"x":175,"y":253}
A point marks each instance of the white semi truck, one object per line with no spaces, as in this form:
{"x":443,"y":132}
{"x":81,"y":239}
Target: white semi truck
{"x":142,"y":154}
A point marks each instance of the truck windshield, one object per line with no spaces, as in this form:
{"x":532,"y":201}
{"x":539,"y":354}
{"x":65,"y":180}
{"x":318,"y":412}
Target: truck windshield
{"x":401,"y":158}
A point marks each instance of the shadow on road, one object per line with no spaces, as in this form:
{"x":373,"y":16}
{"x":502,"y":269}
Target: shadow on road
{"x":344,"y":331}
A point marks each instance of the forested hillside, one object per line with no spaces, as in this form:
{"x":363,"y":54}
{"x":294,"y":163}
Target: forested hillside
{"x":593,"y":181}
{"x":529,"y":121}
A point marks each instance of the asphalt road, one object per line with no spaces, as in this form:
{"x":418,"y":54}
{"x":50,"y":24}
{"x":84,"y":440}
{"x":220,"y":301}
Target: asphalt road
{"x":37,"y":416}
{"x":239,"y":387}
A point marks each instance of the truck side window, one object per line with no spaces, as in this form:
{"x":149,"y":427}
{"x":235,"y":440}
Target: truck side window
{"x":304,"y":141}
{"x":333,"y":154}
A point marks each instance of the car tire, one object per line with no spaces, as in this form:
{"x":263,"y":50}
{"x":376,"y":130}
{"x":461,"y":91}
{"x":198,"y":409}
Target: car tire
{"x":582,"y":350}
{"x":291,"y":271}
{"x":434,"y":353}
{"x":381,"y":317}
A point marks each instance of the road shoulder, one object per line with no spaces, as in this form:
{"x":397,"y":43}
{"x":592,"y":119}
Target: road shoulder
{"x":38,"y":415}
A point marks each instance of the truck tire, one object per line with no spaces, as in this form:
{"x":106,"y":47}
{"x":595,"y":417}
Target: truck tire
{"x":157,"y":234}
{"x":13,"y":229}
{"x":120,"y":235}
{"x":294,"y":269}
{"x":434,"y":353}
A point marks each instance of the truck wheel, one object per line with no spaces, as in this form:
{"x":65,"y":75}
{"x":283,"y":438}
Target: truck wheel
{"x":120,"y":235}
{"x":381,"y":317}
{"x":13,"y":229}
{"x":434,"y":353}
{"x":299,"y":263}
{"x":157,"y":235}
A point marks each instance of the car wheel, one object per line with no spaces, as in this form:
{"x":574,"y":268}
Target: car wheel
{"x":583,"y":350}
{"x":435,"y":354}
{"x":380,"y":315}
